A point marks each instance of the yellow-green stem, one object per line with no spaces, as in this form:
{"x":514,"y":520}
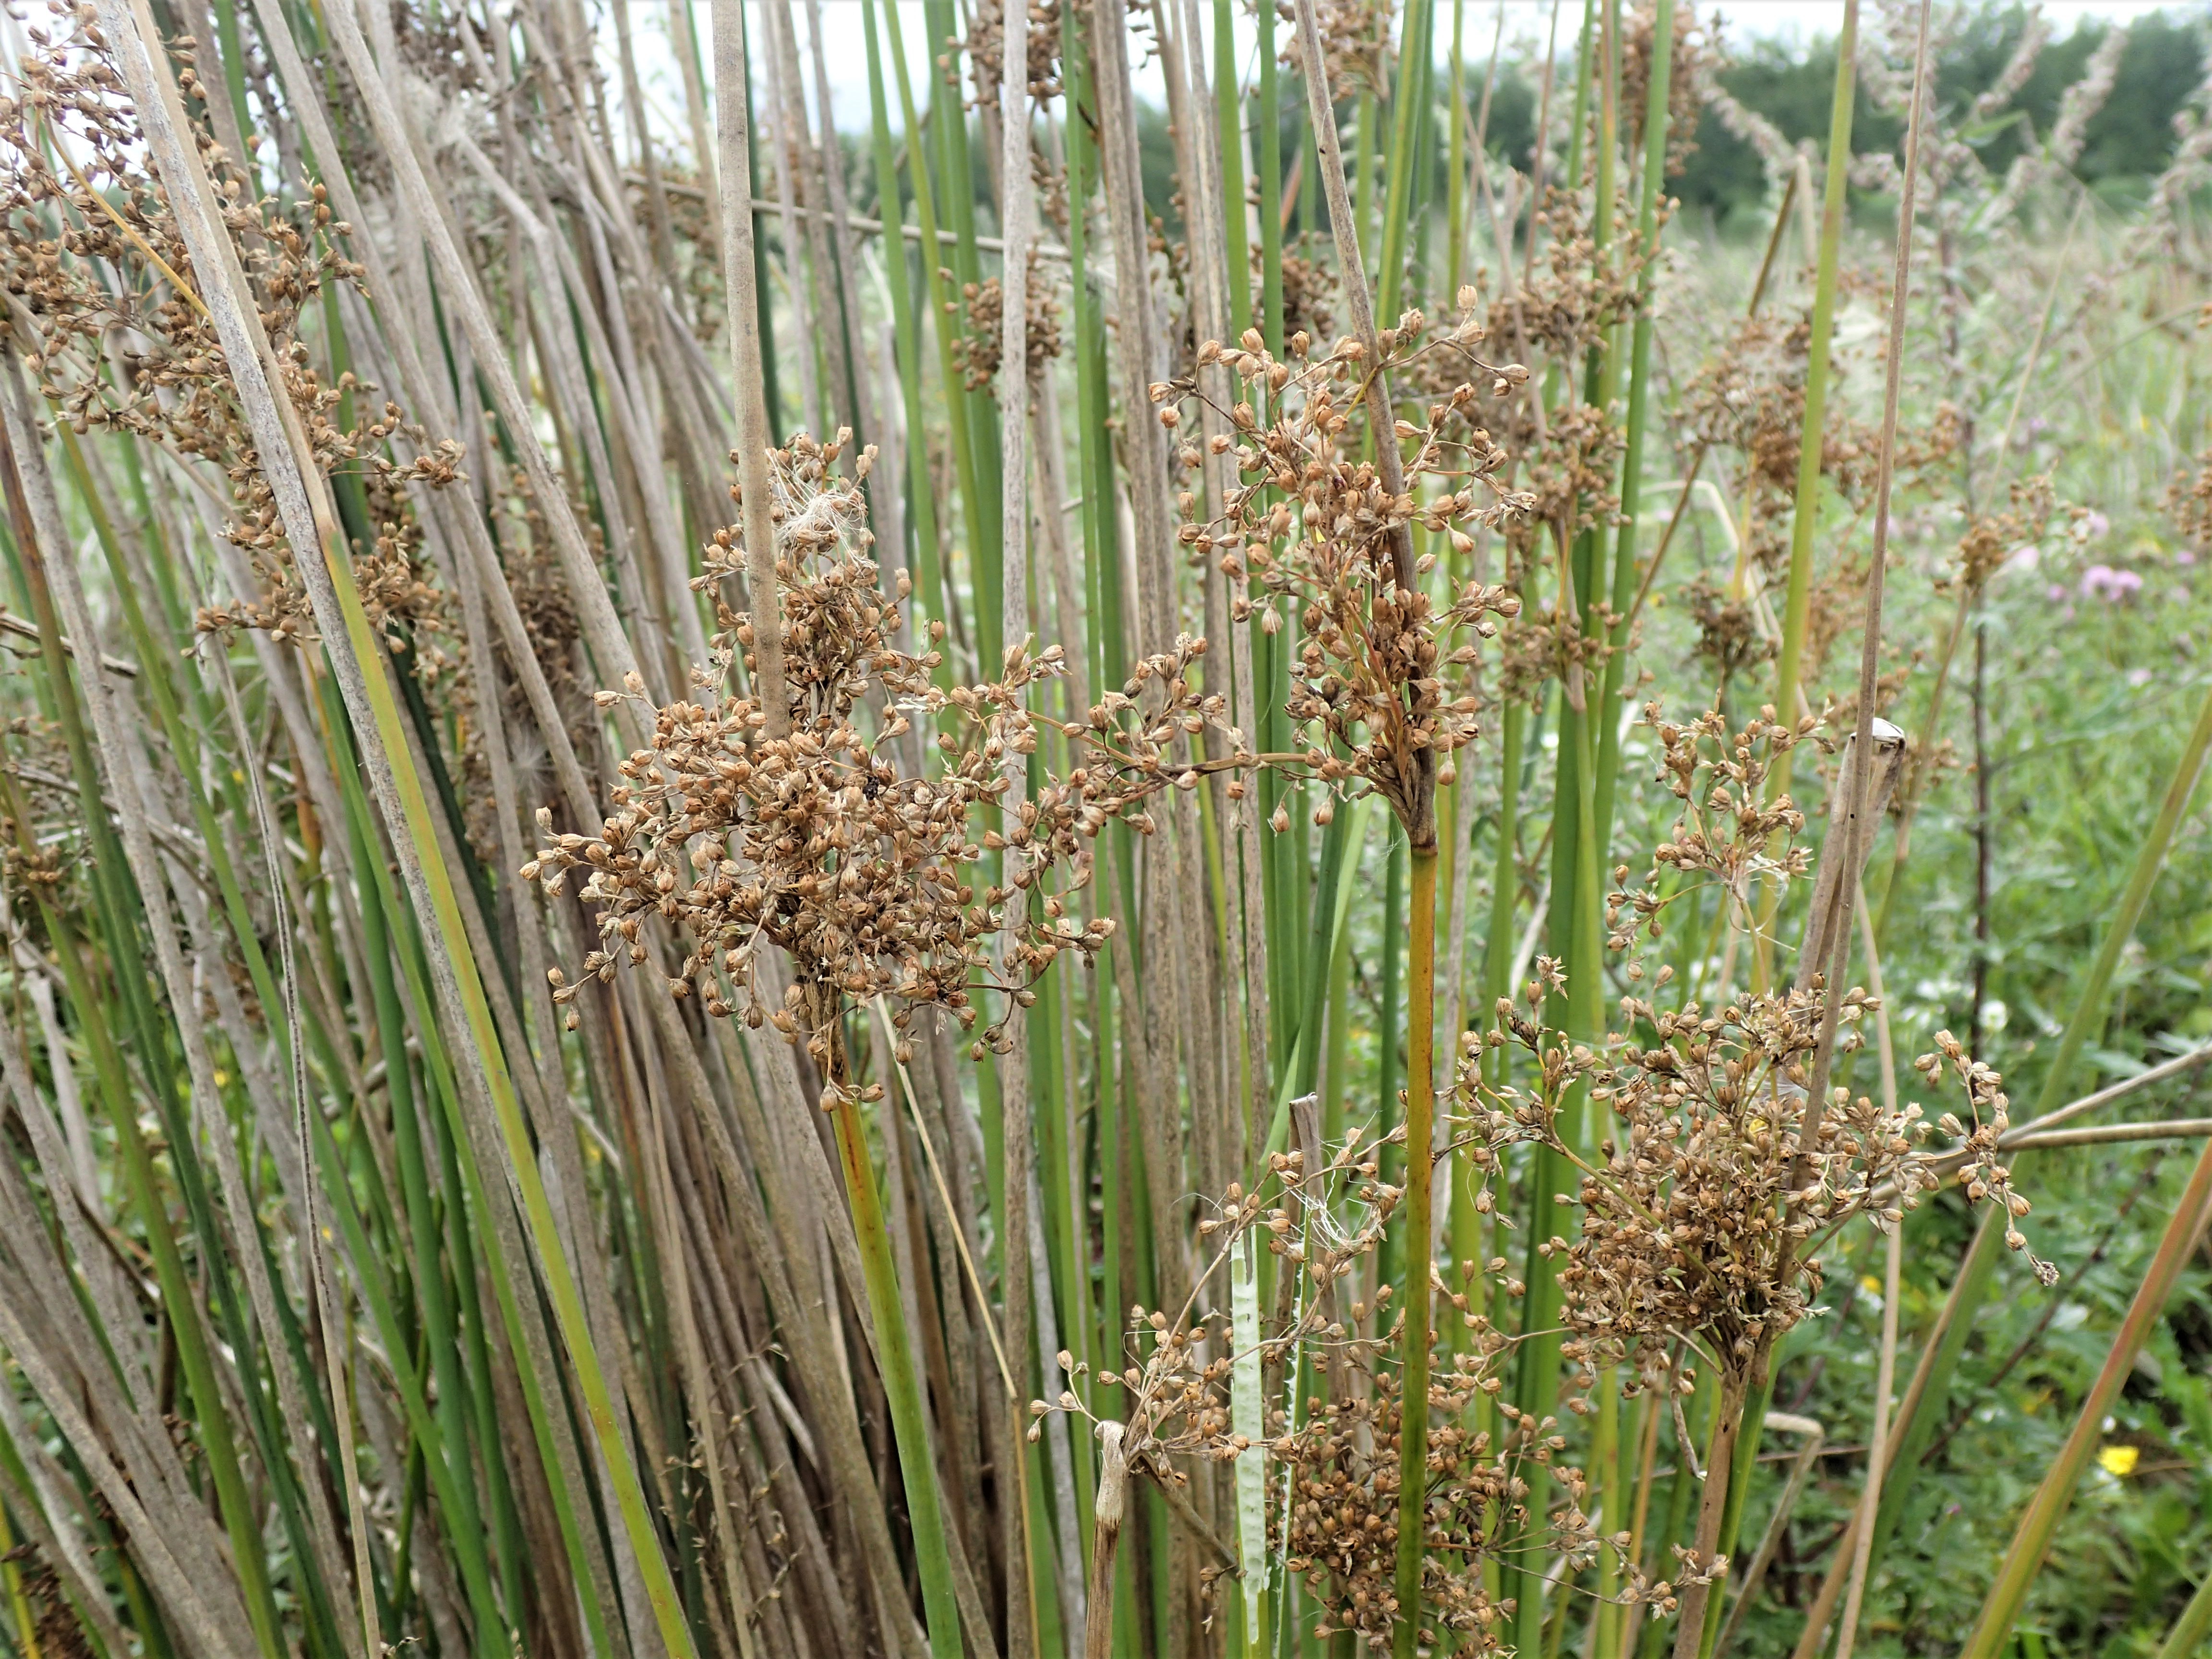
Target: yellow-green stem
{"x":1420,"y":1110}
{"x":902,"y":1386}
{"x":26,"y":1625}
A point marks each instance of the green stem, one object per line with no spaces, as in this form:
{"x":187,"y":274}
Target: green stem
{"x":1798,"y":605}
{"x":1639,"y":408}
{"x":26,"y":1634}
{"x":902,"y":1383}
{"x":906,"y":328}
{"x":1229,"y":114}
{"x":1407,"y":109}
{"x":2189,"y":1630}
{"x":177,"y":1290}
{"x":1391,"y":1002}
{"x":1420,"y":1166}
{"x":1505,"y":875}
{"x":560,"y":1287}
{"x":979,"y":509}
{"x":1271,"y":196}
{"x":1455,"y":161}
{"x":948,"y":115}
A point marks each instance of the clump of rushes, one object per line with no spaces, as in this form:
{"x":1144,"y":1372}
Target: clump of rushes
{"x":279,"y":701}
{"x":812,"y":828}
{"x":110,"y":358}
{"x":1327,"y":532}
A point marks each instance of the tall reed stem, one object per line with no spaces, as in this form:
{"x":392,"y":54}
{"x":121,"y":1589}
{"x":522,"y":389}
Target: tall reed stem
{"x":1420,"y":1171}
{"x":1420,"y":828}
{"x":2187,"y":1635}
{"x":895,"y":1349}
{"x":1721,"y":1455}
{"x":1639,"y":415}
{"x":733,"y":127}
{"x":1798,"y":603}
{"x":1885,"y":1376}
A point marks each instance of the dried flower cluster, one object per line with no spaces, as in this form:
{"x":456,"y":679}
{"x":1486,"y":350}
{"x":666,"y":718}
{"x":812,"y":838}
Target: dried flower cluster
{"x":1697,"y":59}
{"x":1689,"y":1226}
{"x":1751,"y":399}
{"x":1992,"y":537}
{"x":1571,"y":300}
{"x":1333,"y":1467}
{"x":1975,"y":1147}
{"x":1333,"y":1498}
{"x":1308,"y":286}
{"x":1728,"y":633}
{"x":1570,"y":479}
{"x":1312,"y":524}
{"x":833,"y":843}
{"x":1355,"y":36}
{"x":986,"y":52}
{"x":978,"y":348}
{"x":1727,"y":830}
{"x":1704,"y":1204}
{"x":1340,"y":1469}
{"x":2189,"y":499}
{"x":1566,"y":459}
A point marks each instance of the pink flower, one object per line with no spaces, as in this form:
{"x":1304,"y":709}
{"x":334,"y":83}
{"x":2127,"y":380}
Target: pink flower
{"x":2101,"y":581}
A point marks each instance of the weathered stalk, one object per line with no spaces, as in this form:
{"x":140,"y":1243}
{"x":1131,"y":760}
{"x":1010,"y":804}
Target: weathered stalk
{"x":1017,"y":208}
{"x":1108,"y":1512}
{"x":1690,"y":1635}
{"x":733,"y":127}
{"x":1885,"y":1362}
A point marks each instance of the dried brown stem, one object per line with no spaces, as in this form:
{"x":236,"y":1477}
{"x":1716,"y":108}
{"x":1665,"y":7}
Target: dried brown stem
{"x":734,"y":150}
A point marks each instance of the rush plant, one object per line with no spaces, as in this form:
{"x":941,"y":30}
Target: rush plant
{"x":1042,"y":882}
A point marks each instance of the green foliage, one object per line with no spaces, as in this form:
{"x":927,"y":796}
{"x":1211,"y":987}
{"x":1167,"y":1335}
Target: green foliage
{"x":2130,"y":140}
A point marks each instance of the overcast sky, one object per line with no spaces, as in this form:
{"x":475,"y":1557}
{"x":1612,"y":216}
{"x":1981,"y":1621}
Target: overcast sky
{"x":1526,"y":21}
